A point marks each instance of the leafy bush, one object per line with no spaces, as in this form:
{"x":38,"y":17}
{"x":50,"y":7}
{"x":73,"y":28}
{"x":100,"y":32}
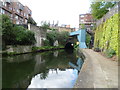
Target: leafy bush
{"x":60,"y":36}
{"x":88,"y":38}
{"x":99,"y":9}
{"x":46,"y":42}
{"x":76,"y":46}
{"x":110,"y":53}
{"x":46,"y":48}
{"x":106,"y":35}
{"x":16,"y":35}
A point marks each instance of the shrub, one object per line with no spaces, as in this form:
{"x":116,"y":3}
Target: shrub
{"x":62,"y":37}
{"x":16,"y":35}
{"x":110,"y":53}
{"x":88,"y":38}
{"x":106,"y":35}
{"x":46,"y":42}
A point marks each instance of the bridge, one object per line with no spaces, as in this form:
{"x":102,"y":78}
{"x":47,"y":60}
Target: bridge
{"x":81,"y":36}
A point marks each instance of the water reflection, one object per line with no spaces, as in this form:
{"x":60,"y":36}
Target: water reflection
{"x":41,"y":70}
{"x":79,"y":64}
{"x":64,"y":79}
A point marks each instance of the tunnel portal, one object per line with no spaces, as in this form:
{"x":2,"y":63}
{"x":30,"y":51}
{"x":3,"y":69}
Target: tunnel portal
{"x":69,"y":45}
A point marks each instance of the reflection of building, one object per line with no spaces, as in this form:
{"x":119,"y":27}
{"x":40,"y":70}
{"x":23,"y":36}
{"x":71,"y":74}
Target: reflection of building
{"x":86,"y":20}
{"x":18,"y":13}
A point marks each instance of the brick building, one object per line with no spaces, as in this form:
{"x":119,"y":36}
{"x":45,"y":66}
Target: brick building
{"x":18,"y":13}
{"x":86,"y":20}
{"x":63,"y":28}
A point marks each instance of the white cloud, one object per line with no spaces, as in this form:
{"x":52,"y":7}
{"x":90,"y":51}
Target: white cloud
{"x":66,"y":11}
{"x":62,"y":79}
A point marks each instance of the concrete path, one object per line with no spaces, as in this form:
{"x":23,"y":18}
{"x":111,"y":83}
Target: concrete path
{"x":97,"y":71}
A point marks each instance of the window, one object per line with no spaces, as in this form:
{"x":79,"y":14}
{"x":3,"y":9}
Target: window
{"x":11,"y":15}
{"x":3,"y":3}
{"x":25,"y":20}
{"x":17,"y":11}
{"x":82,"y":16}
{"x":16,"y":17}
{"x":3,"y":11}
{"x":27,"y":15}
{"x":17,"y":22}
{"x":82,"y":20}
{"x":10,"y":8}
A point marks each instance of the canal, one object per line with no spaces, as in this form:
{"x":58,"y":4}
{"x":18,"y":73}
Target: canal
{"x":53,"y":69}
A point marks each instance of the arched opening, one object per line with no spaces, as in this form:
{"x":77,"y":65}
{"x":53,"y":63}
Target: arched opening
{"x":69,"y":45}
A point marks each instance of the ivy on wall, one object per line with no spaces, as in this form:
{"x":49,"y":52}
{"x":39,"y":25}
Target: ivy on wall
{"x":106,"y":35}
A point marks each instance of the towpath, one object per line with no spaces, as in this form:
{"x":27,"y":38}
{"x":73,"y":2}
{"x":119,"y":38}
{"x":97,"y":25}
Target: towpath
{"x":97,"y":71}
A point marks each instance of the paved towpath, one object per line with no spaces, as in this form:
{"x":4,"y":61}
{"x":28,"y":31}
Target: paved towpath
{"x":97,"y":71}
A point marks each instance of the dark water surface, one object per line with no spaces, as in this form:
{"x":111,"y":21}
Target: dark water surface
{"x":58,"y":69}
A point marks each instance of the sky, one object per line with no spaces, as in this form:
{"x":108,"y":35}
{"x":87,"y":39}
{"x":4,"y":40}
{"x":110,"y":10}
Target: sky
{"x":62,"y":11}
{"x":61,"y":79}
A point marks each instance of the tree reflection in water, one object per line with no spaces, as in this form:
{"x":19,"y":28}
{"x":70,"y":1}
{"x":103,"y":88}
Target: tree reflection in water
{"x":20,"y":74}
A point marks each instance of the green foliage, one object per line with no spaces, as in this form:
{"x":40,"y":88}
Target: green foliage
{"x":110,"y":53}
{"x":45,"y":25}
{"x":88,"y":38}
{"x":76,"y":46}
{"x":51,"y":37}
{"x":62,"y":37}
{"x":106,"y":35}
{"x":16,"y":35}
{"x":23,"y":36}
{"x":0,"y":25}
{"x":46,"y":42}
{"x":8,"y":35}
{"x":101,"y":8}
{"x":55,"y":35}
{"x":82,"y":26}
{"x":46,"y":48}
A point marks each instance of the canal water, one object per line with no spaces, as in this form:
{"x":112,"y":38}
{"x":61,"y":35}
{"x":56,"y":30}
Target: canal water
{"x":56,"y":69}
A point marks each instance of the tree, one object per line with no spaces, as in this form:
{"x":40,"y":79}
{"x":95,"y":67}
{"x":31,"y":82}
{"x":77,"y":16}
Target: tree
{"x":16,"y":35}
{"x":45,"y":25}
{"x":52,"y":36}
{"x":8,"y":34}
{"x":99,"y":9}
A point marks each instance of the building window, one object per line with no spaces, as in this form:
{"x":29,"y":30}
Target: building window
{"x":10,"y":8}
{"x":17,"y":11}
{"x":3,"y":3}
{"x":82,"y":16}
{"x":11,"y":15}
{"x":24,"y":14}
{"x":17,"y":22}
{"x":25,"y":20}
{"x":82,"y":20}
{"x":16,"y":17}
{"x":27,"y":15}
{"x":3,"y":11}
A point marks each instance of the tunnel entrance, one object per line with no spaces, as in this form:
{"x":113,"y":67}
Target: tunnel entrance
{"x":69,"y":45}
